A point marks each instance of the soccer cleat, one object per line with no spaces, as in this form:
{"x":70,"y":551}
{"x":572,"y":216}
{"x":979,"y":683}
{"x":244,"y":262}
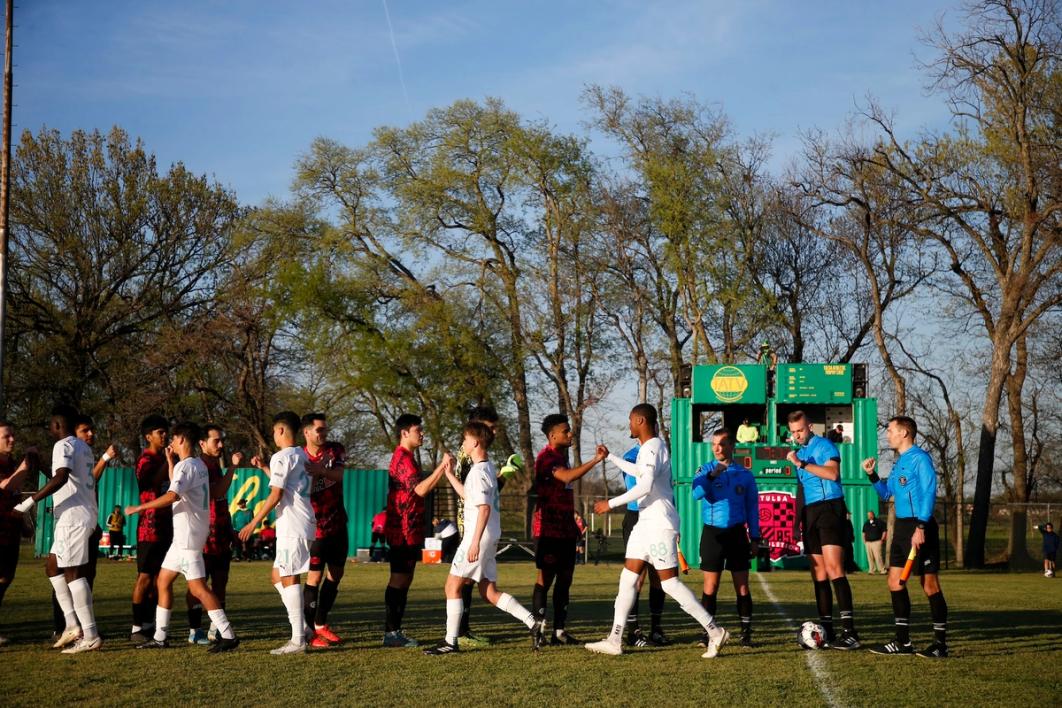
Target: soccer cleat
{"x":319,"y":642}
{"x":846,"y":642}
{"x":328,"y":635}
{"x":538,"y":634}
{"x":4,"y":641}
{"x":397,"y":639}
{"x":637,"y":638}
{"x":198,"y":636}
{"x":716,"y":643}
{"x":746,"y":639}
{"x":223,"y":644}
{"x":443,"y":647}
{"x":139,"y":638}
{"x":564,"y":639}
{"x":936,"y":650}
{"x":472,"y":641}
{"x":83,"y":645}
{"x":154,"y":644}
{"x":659,"y":639}
{"x":289,"y":648}
{"x":68,"y":637}
{"x":892,"y":648}
{"x":605,"y":647}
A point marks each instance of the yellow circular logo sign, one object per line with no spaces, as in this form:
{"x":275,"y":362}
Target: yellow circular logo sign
{"x":729,"y":384}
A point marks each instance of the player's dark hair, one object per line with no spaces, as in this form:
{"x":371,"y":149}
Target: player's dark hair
{"x":647,"y":411}
{"x":189,"y":431}
{"x":83,"y":420}
{"x":211,"y":426}
{"x":407,"y":421}
{"x":551,"y":421}
{"x":153,"y":422}
{"x":309,"y":418}
{"x":289,"y":419}
{"x":796,"y":417}
{"x":723,"y":432}
{"x":907,"y":424}
{"x":6,"y":424}
{"x":484,"y":414}
{"x":67,"y":414}
{"x":480,"y":432}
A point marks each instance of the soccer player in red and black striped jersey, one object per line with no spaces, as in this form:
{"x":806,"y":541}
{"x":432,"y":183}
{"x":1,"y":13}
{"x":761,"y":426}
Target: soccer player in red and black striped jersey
{"x":154,"y":531}
{"x":553,"y":524}
{"x":13,"y":473}
{"x":328,"y":553}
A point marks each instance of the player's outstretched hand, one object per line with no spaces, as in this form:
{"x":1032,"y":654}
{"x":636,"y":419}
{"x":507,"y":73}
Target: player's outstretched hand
{"x":246,"y":532}
{"x":869,"y":464}
{"x":111,"y":452}
{"x":602,"y":451}
{"x":601,"y":506}
{"x":792,"y":457}
{"x":237,"y":459}
{"x":130,"y":510}
{"x":256,"y":461}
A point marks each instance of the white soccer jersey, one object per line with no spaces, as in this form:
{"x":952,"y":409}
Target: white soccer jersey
{"x":191,"y":513}
{"x":653,"y":488}
{"x":75,"y":502}
{"x":287,"y":471}
{"x":481,"y":487}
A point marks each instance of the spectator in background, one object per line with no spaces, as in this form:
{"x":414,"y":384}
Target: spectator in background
{"x":116,"y":532}
{"x":849,"y":551}
{"x":747,"y":433}
{"x":378,"y":523}
{"x":874,"y":532}
{"x":266,"y":547}
{"x":580,"y":546}
{"x":836,"y":435}
{"x":446,"y":531}
{"x":241,"y":518}
{"x":1051,"y":543}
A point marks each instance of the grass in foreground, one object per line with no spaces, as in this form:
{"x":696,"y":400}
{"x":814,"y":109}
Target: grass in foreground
{"x":1004,"y":634}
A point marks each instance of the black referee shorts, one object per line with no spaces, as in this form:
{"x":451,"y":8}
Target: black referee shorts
{"x":330,"y":550}
{"x":149,"y":556}
{"x":403,"y":559}
{"x":825,"y":524}
{"x":8,"y":561}
{"x":725,"y":548}
{"x":630,"y":518}
{"x":928,"y":558}
{"x":555,"y":554}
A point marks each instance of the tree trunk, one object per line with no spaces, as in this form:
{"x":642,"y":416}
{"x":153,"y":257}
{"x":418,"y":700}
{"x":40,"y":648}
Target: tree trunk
{"x":1018,"y":551}
{"x":986,"y":453}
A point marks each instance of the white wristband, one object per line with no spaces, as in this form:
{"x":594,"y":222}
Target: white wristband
{"x":107,"y":457}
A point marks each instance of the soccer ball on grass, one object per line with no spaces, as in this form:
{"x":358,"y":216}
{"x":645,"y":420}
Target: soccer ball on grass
{"x":811,"y":636}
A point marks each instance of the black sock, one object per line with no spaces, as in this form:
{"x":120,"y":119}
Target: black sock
{"x":195,"y":616}
{"x":326,"y":598}
{"x":901,"y":611}
{"x":466,"y":610}
{"x":744,"y":610}
{"x":309,"y":603}
{"x":538,"y":601}
{"x":844,"y":602}
{"x":709,"y":603}
{"x":824,"y":601}
{"x":561,"y":595}
{"x":403,"y":597}
{"x":3,"y":591}
{"x":393,"y":621}
{"x":938,"y":610}
{"x":656,"y":606}
{"x":138,"y":613}
{"x":632,"y":617}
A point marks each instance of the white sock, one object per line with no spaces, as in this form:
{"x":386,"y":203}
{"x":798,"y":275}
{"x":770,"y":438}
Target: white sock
{"x":280,"y":587}
{"x":686,"y":600}
{"x":162,"y":623}
{"x":82,"y":595}
{"x":221,"y":621}
{"x":625,"y":597}
{"x":508,"y":603}
{"x":65,"y":600}
{"x":292,"y":596}
{"x":454,"y":608}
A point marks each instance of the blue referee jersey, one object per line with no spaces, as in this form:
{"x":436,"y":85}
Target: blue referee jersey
{"x":818,"y":451}
{"x":729,"y":499}
{"x":912,"y":484}
{"x":629,"y":480}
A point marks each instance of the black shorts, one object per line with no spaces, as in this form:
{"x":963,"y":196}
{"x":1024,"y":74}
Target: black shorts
{"x":149,"y":556}
{"x":94,"y":545}
{"x":1050,"y":556}
{"x":330,"y":550}
{"x":825,"y":524}
{"x":928,"y":558}
{"x":727,"y":548}
{"x":555,"y":553}
{"x":630,"y":518}
{"x":403,"y":559}
{"x":8,"y":561}
{"x":217,"y":564}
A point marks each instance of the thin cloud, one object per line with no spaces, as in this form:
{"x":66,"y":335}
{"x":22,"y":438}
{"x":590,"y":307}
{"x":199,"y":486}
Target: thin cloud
{"x":398,"y":59}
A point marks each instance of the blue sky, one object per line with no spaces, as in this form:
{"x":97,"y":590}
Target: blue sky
{"x":239,"y":89}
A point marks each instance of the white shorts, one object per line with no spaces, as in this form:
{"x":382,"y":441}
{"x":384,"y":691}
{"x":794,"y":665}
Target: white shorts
{"x":70,"y":545}
{"x":293,"y":555}
{"x":188,"y":563}
{"x":485,"y":567}
{"x":655,"y":544}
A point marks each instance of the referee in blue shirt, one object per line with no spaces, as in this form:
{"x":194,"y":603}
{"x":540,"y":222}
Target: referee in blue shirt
{"x":912,"y":485}
{"x":825,"y":526}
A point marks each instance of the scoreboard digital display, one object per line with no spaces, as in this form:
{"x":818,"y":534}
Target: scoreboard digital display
{"x":814,"y":383}
{"x":772,"y":453}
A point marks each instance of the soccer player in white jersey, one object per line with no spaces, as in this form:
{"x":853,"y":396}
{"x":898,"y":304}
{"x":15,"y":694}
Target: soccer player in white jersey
{"x":189,"y":495}
{"x":289,"y":493}
{"x":75,"y":510}
{"x":654,"y":539}
{"x":475,"y":557}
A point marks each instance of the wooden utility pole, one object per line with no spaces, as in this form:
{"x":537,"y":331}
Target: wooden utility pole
{"x":5,"y":189}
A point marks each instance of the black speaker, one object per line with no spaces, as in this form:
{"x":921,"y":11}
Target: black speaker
{"x":859,"y":380}
{"x":685,"y":379}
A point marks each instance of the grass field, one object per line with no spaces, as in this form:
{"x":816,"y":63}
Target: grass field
{"x":1005,"y":635}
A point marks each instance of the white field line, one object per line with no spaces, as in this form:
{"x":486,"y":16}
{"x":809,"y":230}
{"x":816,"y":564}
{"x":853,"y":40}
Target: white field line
{"x":818,"y":667}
